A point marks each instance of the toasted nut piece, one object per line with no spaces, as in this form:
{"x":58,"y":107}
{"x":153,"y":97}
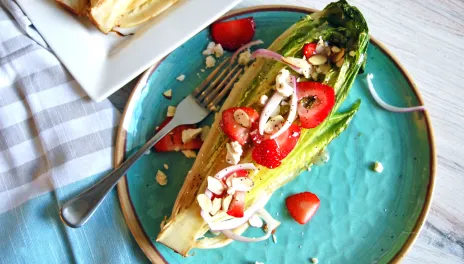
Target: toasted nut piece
{"x":242,"y":118}
{"x":340,"y":63}
{"x":274,"y":124}
{"x":204,"y":202}
{"x":161,"y":178}
{"x":168,"y":94}
{"x":335,"y":49}
{"x":318,"y":59}
{"x":226,"y":202}
{"x":216,"y":206}
{"x":242,"y":184}
{"x":215,"y":185}
{"x":166,"y":166}
{"x":338,"y":56}
{"x":171,"y":111}
{"x":189,"y":153}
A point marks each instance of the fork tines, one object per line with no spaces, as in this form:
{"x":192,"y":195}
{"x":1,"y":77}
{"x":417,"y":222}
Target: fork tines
{"x":219,"y":87}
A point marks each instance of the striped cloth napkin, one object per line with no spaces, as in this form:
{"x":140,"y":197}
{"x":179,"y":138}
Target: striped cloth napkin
{"x":54,"y":142}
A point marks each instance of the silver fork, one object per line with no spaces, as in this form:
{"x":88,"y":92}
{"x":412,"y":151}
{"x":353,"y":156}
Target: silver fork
{"x":193,"y":109}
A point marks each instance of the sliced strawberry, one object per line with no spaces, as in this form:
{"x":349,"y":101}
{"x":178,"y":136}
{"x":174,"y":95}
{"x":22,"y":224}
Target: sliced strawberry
{"x":234,"y":33}
{"x":302,"y":206}
{"x":315,"y":101}
{"x":236,"y":207}
{"x":234,"y":130}
{"x":287,"y":141}
{"x":309,"y":50}
{"x":173,"y":140}
{"x":267,"y":154}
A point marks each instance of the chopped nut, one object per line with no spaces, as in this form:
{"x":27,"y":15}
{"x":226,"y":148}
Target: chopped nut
{"x":263,"y":99}
{"x":189,"y":153}
{"x":340,"y":63}
{"x":210,"y":62}
{"x":325,"y":68}
{"x":161,"y":178}
{"x":317,"y":59}
{"x":242,"y":184}
{"x":274,"y":238}
{"x":378,"y":167}
{"x":202,"y":70}
{"x":352,"y":53}
{"x":180,"y":78}
{"x":273,"y":124}
{"x":166,"y":166}
{"x":255,"y":221}
{"x":335,"y":49}
{"x":168,"y":94}
{"x":204,"y":202}
{"x":314,"y":75}
{"x":338,"y":56}
{"x":216,"y":206}
{"x":242,"y":118}
{"x":226,"y":202}
{"x":204,"y":132}
{"x":215,"y":185}
{"x":171,"y":111}
{"x":189,"y":134}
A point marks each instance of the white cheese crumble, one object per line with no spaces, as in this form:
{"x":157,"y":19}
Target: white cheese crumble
{"x":161,"y":178}
{"x":314,"y":260}
{"x":244,"y":58}
{"x":210,"y":62}
{"x":209,"y":49}
{"x":255,"y":221}
{"x":284,"y":83}
{"x":189,"y":153}
{"x":257,"y":262}
{"x":171,"y":111}
{"x":234,"y":151}
{"x":263,"y":99}
{"x":378,"y":167}
{"x":218,"y":50}
{"x":180,"y":78}
{"x":189,"y":134}
{"x":166,"y":166}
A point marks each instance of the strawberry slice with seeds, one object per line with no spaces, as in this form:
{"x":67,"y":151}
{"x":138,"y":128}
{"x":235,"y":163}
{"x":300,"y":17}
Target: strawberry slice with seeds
{"x":302,"y":206}
{"x":267,"y":154}
{"x":173,"y":140}
{"x":234,"y":130}
{"x":309,"y":49}
{"x":237,"y":205}
{"x":315,"y":102}
{"x":234,"y":33}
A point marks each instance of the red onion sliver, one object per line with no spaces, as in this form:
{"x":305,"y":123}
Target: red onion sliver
{"x":292,"y":114}
{"x":246,"y":46}
{"x":264,"y":53}
{"x":386,"y":106}
{"x":245,"y":166}
{"x":269,"y":108}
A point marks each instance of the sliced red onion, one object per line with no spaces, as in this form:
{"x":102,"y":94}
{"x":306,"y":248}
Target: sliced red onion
{"x":246,"y":46}
{"x":386,"y":106}
{"x":269,"y":108}
{"x":292,"y":114}
{"x":271,"y":223}
{"x":264,"y":53}
{"x":233,"y":223}
{"x":224,"y":172}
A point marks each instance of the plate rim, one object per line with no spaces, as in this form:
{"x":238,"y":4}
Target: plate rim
{"x":128,"y":209}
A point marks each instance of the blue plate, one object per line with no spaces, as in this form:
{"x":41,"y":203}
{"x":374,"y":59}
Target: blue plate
{"x":364,"y":217}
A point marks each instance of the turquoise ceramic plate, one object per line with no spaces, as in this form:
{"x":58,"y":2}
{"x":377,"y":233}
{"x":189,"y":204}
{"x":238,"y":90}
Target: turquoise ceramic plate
{"x":365,"y":217}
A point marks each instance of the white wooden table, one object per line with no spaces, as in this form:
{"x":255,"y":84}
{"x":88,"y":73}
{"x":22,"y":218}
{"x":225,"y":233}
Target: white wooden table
{"x":427,"y":36}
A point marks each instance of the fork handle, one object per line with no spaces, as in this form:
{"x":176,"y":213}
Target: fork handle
{"x":78,"y":211}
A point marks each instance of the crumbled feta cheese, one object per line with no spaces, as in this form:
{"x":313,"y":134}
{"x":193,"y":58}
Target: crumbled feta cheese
{"x":335,"y":49}
{"x":168,"y":94}
{"x":209,"y":49}
{"x":314,"y":260}
{"x":234,"y":151}
{"x":218,"y":51}
{"x":274,"y":124}
{"x":210,"y":62}
{"x":263,"y":99}
{"x":171,"y":111}
{"x":189,"y":153}
{"x":189,"y":134}
{"x":255,"y":221}
{"x":204,"y":132}
{"x":166,"y":166}
{"x":244,"y":58}
{"x":284,"y":83}
{"x":378,"y":167}
{"x":161,"y":178}
{"x":242,"y":118}
{"x":274,"y":238}
{"x":180,"y":78}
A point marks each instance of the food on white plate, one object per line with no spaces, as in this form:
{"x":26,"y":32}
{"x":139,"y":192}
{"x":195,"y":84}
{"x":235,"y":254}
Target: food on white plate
{"x":309,"y":68}
{"x":106,"y":15}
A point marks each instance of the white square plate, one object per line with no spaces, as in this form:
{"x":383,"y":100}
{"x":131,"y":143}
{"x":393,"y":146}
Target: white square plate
{"x":104,"y":63}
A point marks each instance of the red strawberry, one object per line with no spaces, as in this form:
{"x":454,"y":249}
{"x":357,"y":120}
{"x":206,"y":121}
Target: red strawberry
{"x":287,"y":141}
{"x":234,"y":130}
{"x":236,"y":207}
{"x":173,"y":140}
{"x":234,"y":33}
{"x":315,"y":102}
{"x":267,"y":154}
{"x":309,"y":50}
{"x":302,"y":206}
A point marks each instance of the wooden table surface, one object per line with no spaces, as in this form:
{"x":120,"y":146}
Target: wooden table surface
{"x":427,"y":36}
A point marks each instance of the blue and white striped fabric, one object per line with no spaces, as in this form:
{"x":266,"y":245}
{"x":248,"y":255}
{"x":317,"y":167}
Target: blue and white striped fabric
{"x":54,"y":142}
